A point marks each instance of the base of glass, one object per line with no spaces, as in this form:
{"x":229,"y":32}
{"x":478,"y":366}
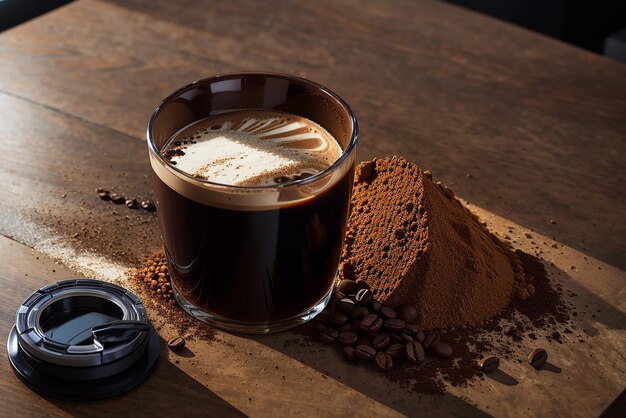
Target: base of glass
{"x":251,"y":327}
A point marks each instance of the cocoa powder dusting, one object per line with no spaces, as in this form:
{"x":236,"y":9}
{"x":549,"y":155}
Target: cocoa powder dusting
{"x":412,"y":242}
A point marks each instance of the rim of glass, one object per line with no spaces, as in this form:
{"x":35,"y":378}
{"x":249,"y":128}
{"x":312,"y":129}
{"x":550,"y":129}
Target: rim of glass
{"x":208,"y":80}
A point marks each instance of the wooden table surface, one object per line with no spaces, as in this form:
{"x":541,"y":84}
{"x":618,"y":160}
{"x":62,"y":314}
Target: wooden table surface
{"x":530,"y":131}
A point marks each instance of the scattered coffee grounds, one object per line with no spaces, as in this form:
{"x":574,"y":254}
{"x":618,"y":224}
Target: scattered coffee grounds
{"x":152,"y":284}
{"x":118,"y":199}
{"x":108,"y":237}
{"x":413,"y":243}
{"x":156,"y":277}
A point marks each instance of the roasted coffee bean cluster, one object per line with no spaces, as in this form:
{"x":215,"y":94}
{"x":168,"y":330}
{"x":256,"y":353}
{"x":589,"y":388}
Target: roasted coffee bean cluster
{"x":156,"y":276}
{"x":368,"y":331}
{"x":131,"y":202}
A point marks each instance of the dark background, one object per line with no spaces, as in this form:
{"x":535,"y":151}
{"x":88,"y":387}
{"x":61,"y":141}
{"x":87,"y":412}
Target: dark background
{"x":586,"y":24}
{"x":14,"y":12}
{"x":583,"y":23}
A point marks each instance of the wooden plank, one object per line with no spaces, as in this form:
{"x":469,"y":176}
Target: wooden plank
{"x":66,"y":156}
{"x":228,"y":376}
{"x":538,"y":125}
{"x":279,"y":375}
{"x":38,"y":172}
{"x":525,"y":116}
{"x":24,"y":271}
{"x":51,"y":165}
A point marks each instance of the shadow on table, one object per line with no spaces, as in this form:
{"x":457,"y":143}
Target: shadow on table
{"x":503,"y":377}
{"x":370,"y":382}
{"x":168,"y":389}
{"x":367,"y":379}
{"x":588,"y":306}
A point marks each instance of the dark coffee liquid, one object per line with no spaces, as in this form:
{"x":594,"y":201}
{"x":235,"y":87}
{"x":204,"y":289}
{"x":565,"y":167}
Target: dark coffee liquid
{"x":254,"y":266}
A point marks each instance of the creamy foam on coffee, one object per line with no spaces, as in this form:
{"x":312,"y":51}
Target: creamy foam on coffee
{"x":252,"y":148}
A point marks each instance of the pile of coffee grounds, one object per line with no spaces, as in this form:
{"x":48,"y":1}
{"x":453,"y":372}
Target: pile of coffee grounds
{"x":414,"y":243}
{"x":541,"y":316}
{"x":156,"y":278}
{"x":152,"y":284}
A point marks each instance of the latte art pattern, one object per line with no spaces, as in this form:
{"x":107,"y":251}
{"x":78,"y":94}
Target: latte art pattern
{"x":248,"y":148}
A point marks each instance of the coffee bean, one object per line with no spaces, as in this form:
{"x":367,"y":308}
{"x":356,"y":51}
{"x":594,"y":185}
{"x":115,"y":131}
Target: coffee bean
{"x":365,"y":352}
{"x":414,"y":352}
{"x":349,"y":354}
{"x":117,"y":198}
{"x":337,"y":318}
{"x":395,"y":338}
{"x":430,"y":340}
{"x":329,"y":335}
{"x":420,"y":337}
{"x":380,"y":342}
{"x":355,"y":326}
{"x":372,"y":323}
{"x":347,"y":338}
{"x":411,"y":329}
{"x":489,"y":364}
{"x":394,"y":325}
{"x":387,"y":312}
{"x":364,"y":340}
{"x":364,"y":296}
{"x":132,"y":203}
{"x":442,"y":350}
{"x":345,"y":327}
{"x":359,"y":312}
{"x":104,"y":195}
{"x":176,"y":343}
{"x":348,"y":287}
{"x":346,"y":305}
{"x":538,"y":358}
{"x":375,"y":306}
{"x":384,"y":361}
{"x":396,"y":351}
{"x":406,"y":337}
{"x":319,"y":327}
{"x":322,"y":318}
{"x":408,"y":313}
{"x":148,"y":205}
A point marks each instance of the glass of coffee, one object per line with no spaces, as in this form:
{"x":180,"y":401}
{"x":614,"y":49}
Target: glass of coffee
{"x":252,"y":179}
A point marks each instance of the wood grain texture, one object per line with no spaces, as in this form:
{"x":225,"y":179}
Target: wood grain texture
{"x":51,"y":165}
{"x":538,"y":125}
{"x":227,"y":377}
{"x":24,"y":272}
{"x":278,"y":375}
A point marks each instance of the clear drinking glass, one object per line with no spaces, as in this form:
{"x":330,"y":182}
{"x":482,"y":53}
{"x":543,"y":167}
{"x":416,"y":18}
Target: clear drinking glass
{"x":253,"y":259}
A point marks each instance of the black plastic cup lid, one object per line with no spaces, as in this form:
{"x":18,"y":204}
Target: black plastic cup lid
{"x":82,"y":340}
